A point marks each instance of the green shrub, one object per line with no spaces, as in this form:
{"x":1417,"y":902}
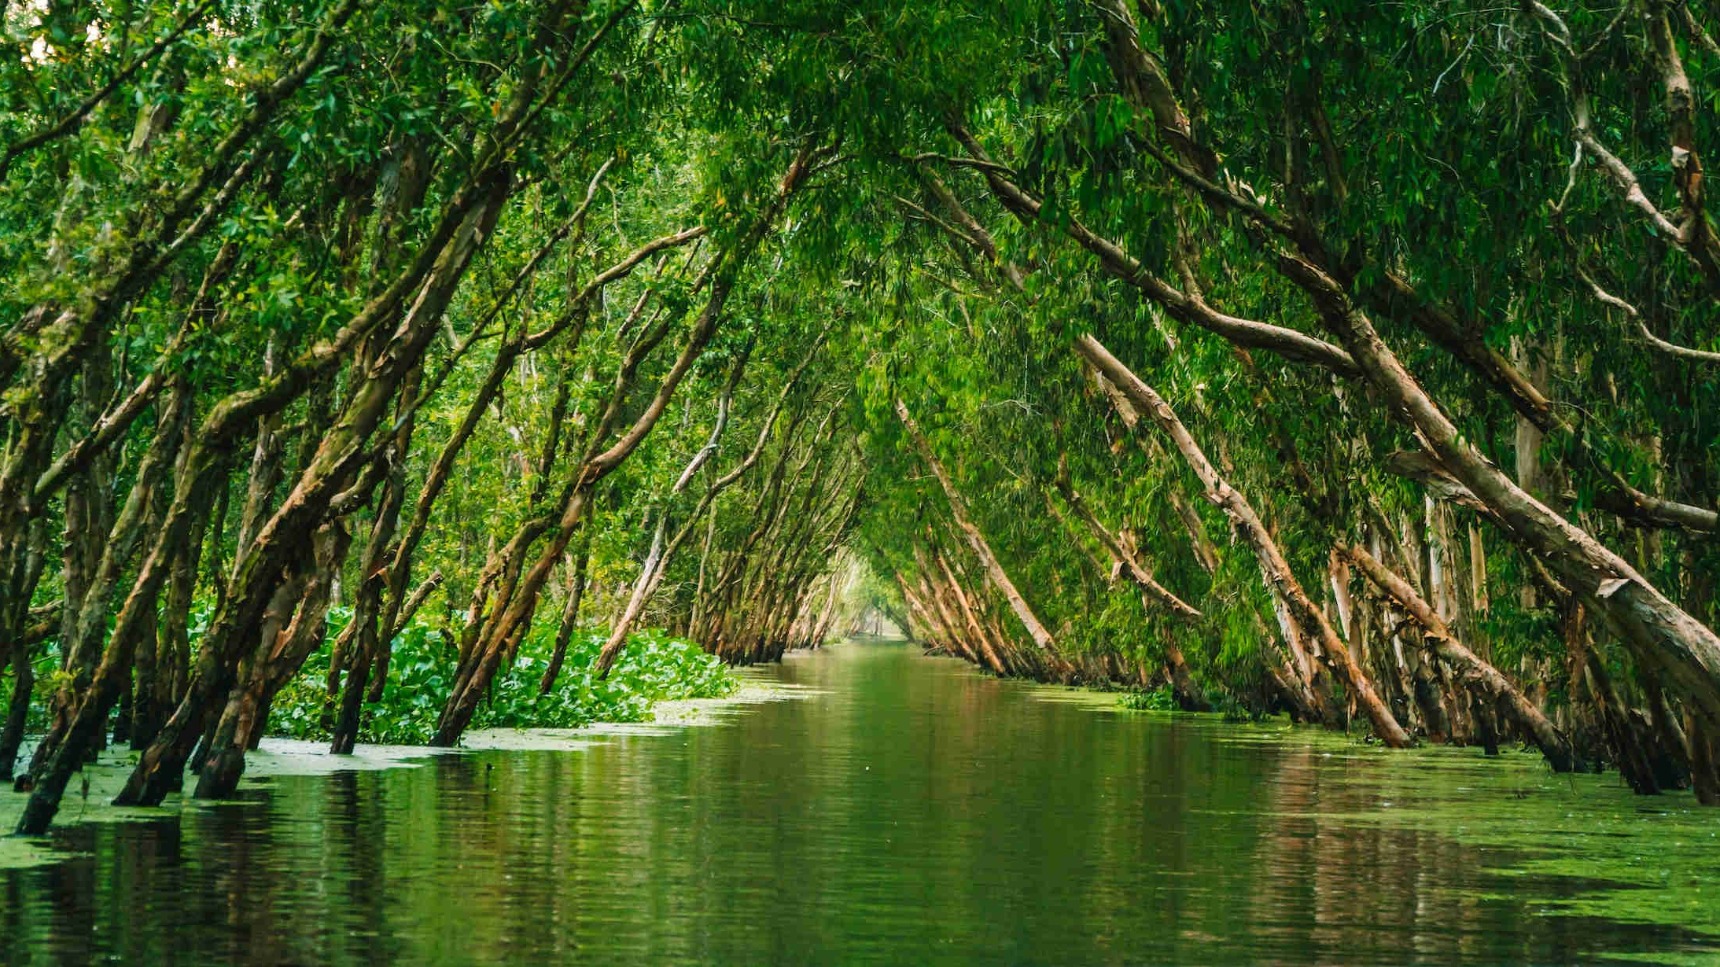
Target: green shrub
{"x":652,"y":667}
{"x":1159,"y":699}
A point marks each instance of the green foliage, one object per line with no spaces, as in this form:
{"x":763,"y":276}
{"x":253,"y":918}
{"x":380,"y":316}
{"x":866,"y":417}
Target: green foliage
{"x":1427,"y":141}
{"x":1159,"y":699}
{"x":653,"y":667}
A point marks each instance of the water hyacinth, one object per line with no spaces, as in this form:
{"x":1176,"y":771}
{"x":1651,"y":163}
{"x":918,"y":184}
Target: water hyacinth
{"x":653,"y":667}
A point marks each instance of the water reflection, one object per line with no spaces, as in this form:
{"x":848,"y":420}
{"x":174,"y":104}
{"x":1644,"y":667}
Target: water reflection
{"x":913,"y":812}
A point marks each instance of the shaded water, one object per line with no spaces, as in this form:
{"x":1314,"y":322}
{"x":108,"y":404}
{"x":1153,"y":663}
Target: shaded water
{"x":909,"y":811}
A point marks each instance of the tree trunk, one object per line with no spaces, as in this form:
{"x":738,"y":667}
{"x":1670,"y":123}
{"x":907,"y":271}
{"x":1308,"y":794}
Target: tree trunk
{"x":1305,"y":614}
{"x":1554,"y":745}
{"x":569,"y":622}
{"x":975,"y":539}
{"x":1659,"y":633}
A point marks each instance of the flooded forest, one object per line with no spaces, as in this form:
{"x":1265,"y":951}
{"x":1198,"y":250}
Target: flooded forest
{"x":1022,"y":481}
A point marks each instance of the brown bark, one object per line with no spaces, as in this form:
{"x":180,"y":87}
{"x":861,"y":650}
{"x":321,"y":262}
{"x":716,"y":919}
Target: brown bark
{"x":1153,"y":595}
{"x":569,"y":622}
{"x":1143,"y":85}
{"x":1553,"y":744}
{"x":371,"y":627}
{"x":1659,"y":632}
{"x":652,"y":575}
{"x":293,"y":627}
{"x":1184,"y":306}
{"x":334,"y":465}
{"x":1308,"y":617}
{"x":975,"y":538}
{"x":994,"y":656}
{"x":503,"y":630}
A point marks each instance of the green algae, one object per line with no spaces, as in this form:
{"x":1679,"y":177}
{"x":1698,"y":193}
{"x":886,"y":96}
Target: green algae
{"x":1114,"y":838}
{"x":1613,"y":855}
{"x":89,"y":799}
{"x":304,"y":757}
{"x":667,"y":717}
{"x":1626,"y":858}
{"x":1091,"y":698}
{"x":1644,"y":859}
{"x":1634,"y":859}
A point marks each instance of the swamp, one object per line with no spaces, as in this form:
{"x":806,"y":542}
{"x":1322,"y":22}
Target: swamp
{"x":968,"y":482}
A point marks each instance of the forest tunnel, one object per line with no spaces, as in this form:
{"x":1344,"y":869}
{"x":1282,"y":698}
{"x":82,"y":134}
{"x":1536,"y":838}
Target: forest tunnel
{"x":1260,"y":358}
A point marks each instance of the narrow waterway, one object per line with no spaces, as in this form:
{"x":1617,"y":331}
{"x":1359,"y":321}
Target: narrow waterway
{"x":898,"y":810}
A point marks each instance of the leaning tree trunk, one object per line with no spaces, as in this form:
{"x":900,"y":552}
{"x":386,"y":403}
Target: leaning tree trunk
{"x":294,"y":626}
{"x":976,"y":539}
{"x":367,"y":617}
{"x":569,"y":622}
{"x":1551,"y":742}
{"x":335,"y":464}
{"x":1305,"y":614}
{"x":1153,"y":595}
{"x":502,"y":631}
{"x":657,"y":562}
{"x":1659,"y":633}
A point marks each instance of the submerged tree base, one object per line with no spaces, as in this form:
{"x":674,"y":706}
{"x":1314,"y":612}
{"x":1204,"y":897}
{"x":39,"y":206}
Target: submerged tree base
{"x":90,"y":798}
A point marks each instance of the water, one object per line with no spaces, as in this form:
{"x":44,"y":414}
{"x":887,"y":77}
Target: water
{"x":912,"y":811}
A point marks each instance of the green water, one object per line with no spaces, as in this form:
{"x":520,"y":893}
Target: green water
{"x":902,"y":810}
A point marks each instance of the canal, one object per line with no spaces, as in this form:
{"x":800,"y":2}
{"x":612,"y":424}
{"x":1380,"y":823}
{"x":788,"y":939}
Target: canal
{"x":885,"y":807}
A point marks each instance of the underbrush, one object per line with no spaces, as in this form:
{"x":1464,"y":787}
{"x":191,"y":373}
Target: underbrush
{"x":1160,"y":699}
{"x":653,"y":667}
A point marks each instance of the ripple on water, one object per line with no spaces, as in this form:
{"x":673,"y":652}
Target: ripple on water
{"x":881,"y":807}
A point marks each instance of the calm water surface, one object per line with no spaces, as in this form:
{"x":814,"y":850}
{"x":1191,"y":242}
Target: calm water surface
{"x":911,"y":811}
